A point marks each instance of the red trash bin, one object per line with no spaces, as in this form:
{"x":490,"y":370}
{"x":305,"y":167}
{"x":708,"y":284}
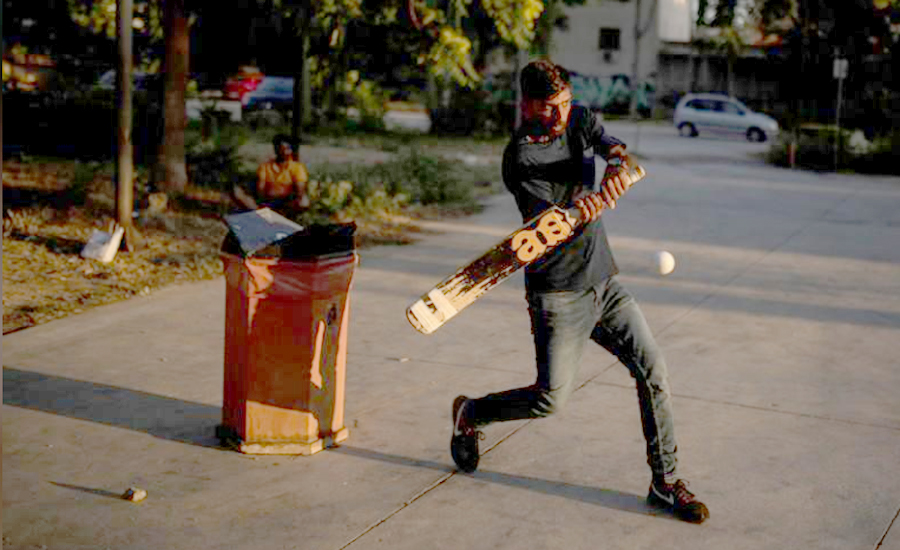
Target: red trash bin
{"x":286,"y":325}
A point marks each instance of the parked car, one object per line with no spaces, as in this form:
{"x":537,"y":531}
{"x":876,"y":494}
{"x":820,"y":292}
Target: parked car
{"x":721,"y":114}
{"x":271,"y":103}
{"x":140,"y":79}
{"x":273,"y":92}
{"x":246,"y":80}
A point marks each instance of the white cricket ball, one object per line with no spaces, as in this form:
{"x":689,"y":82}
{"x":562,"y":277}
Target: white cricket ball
{"x":665,"y":262}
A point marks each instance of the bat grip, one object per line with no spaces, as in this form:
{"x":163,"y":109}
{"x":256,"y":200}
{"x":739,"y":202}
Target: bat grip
{"x":635,"y":173}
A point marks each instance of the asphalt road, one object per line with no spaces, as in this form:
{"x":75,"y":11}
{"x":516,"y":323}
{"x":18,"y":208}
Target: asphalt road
{"x":660,"y":141}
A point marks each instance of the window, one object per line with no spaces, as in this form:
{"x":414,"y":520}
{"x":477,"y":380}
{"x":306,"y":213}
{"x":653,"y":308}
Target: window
{"x":699,"y":104}
{"x":728,"y":108}
{"x":609,"y":39}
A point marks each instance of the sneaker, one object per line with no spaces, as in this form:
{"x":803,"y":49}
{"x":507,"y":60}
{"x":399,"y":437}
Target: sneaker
{"x":464,"y":443}
{"x":677,"y":499}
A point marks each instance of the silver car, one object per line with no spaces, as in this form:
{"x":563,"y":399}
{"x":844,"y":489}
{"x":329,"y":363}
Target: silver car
{"x":699,"y":114}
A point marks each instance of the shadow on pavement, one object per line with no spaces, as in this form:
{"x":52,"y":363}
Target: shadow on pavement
{"x":607,"y":498}
{"x":195,"y":423}
{"x":100,"y":492}
{"x":156,"y":415}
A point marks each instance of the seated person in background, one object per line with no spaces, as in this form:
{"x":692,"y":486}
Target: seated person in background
{"x":281,"y":182}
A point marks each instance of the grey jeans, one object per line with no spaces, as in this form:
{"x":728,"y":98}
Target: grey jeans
{"x":562,"y":322}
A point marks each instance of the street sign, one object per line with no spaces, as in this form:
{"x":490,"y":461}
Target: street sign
{"x":841,"y":67}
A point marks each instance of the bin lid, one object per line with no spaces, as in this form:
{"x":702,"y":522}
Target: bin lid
{"x":265,"y":232}
{"x":259,"y":229}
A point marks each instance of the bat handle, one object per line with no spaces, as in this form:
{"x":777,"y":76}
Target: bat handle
{"x":635,"y":173}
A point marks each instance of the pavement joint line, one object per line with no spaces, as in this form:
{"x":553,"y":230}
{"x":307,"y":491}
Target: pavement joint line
{"x":459,"y":365}
{"x":888,"y":530}
{"x":440,"y":481}
{"x":759,"y":408}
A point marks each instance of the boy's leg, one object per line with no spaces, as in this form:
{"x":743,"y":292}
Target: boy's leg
{"x":561,"y":323}
{"x":624,"y":332}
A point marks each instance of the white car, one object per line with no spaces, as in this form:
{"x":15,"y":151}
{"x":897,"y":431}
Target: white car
{"x":698,"y":114}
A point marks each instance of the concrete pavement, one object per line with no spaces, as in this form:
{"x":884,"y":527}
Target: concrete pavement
{"x":781,"y":328}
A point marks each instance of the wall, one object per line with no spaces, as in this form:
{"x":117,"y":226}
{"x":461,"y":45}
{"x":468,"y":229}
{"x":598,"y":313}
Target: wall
{"x":578,"y":50}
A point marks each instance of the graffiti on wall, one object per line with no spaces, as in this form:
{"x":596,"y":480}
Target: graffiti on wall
{"x":611,"y":93}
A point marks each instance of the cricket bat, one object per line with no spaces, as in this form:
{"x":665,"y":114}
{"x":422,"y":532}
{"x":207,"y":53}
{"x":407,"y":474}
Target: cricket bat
{"x":528,"y":244}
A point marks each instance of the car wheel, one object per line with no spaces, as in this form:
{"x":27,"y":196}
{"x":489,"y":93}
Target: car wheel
{"x":686,"y":129}
{"x":755,"y":134}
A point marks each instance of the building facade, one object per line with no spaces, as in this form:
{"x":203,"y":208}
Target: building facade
{"x":604,"y":48}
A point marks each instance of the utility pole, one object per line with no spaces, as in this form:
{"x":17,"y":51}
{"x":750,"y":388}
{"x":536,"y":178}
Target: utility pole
{"x":635,"y":64}
{"x":840,"y":70}
{"x":632,"y":111}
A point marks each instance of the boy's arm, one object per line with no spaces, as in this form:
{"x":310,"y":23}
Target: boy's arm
{"x":616,"y":180}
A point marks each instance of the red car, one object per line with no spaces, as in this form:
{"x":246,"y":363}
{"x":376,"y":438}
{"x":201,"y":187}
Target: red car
{"x":247,"y":79}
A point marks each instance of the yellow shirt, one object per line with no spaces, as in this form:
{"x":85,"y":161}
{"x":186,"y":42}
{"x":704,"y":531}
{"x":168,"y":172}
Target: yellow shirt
{"x":279,"y":180}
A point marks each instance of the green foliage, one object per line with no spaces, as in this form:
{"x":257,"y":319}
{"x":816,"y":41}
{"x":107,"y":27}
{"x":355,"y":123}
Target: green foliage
{"x":99,"y":17}
{"x":881,"y":157}
{"x":214,"y":163}
{"x":448,"y":32}
{"x":514,"y":19}
{"x":449,"y":57}
{"x":340,"y":200}
{"x":410,"y":178}
{"x":368,"y":98}
{"x":815,"y":150}
{"x":429,"y":180}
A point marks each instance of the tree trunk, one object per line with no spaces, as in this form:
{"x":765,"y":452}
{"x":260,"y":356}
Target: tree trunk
{"x":307,"y":114}
{"x":176,"y":65}
{"x":125,"y":154}
{"x":302,"y":95}
{"x":298,"y":107}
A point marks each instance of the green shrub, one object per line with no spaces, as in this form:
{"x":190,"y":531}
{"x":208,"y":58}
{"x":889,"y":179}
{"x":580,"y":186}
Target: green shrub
{"x":816,"y":150}
{"x":343,"y":201}
{"x":355,"y":191}
{"x":214,"y":163}
{"x":882,"y":156}
{"x":424,"y":179}
{"x":431,"y":180}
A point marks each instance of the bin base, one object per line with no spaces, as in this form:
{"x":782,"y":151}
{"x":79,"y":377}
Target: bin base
{"x":230,"y":438}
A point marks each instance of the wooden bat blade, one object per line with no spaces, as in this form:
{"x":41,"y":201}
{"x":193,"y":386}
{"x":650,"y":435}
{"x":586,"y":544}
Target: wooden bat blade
{"x":535,"y":239}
